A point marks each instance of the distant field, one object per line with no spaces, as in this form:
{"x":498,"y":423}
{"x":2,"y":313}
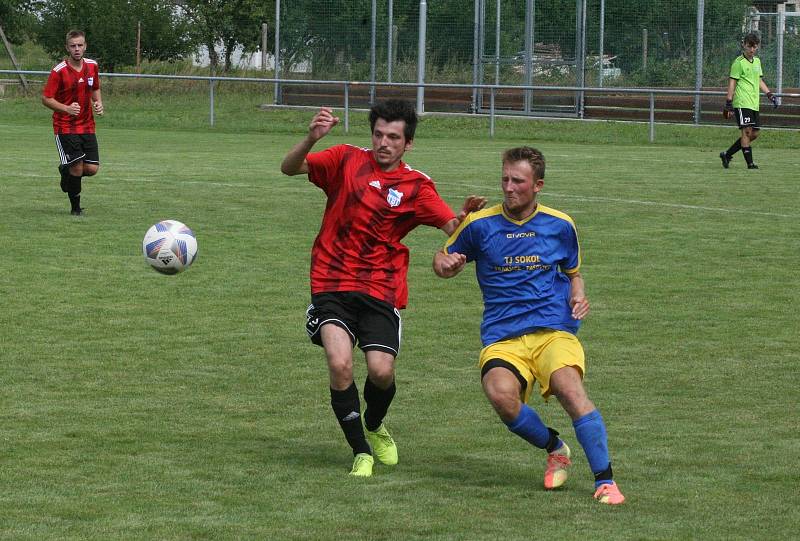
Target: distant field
{"x":142,"y":406}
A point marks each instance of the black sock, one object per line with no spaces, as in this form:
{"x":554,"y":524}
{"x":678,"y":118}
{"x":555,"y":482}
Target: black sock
{"x":748,"y":155}
{"x":347,"y":409}
{"x":735,"y":147}
{"x":378,"y":401}
{"x":73,"y":183}
{"x":605,"y":475}
{"x":64,"y":172}
{"x":75,"y":201}
{"x":552,"y":442}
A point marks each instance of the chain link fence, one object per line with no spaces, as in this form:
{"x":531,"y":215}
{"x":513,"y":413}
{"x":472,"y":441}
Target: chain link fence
{"x":584,"y":43}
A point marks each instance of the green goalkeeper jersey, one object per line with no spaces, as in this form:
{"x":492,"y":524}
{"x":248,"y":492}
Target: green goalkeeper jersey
{"x":748,"y":79}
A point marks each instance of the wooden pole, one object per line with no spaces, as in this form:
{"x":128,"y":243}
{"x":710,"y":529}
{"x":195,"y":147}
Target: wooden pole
{"x":139,"y":47}
{"x":13,"y":58}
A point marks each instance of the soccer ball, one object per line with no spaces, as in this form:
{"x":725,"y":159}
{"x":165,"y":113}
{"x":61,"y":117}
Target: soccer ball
{"x":169,"y":247}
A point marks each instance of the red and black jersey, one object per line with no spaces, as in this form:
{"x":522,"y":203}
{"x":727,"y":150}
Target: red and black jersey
{"x":368,"y":213}
{"x":68,"y":85}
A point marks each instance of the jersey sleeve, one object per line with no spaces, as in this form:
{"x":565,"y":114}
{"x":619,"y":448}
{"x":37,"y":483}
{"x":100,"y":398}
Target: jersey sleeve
{"x":430,"y":209}
{"x":51,"y":86}
{"x":571,"y":263}
{"x":96,"y":83}
{"x":736,"y":70}
{"x":462,"y":240}
{"x":323,"y":166}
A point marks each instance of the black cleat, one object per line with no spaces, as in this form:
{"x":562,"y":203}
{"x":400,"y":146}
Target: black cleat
{"x":752,"y":166}
{"x":77,"y":212}
{"x":725,"y":159}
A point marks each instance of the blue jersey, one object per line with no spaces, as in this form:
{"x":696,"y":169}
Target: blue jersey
{"x":522,"y":269}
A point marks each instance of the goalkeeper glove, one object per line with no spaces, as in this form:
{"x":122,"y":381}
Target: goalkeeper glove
{"x":728,"y":109}
{"x":772,"y":98}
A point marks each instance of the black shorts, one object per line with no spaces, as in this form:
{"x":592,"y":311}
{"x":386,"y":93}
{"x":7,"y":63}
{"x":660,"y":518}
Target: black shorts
{"x":371,"y":323}
{"x":747,"y":118}
{"x":73,"y":147}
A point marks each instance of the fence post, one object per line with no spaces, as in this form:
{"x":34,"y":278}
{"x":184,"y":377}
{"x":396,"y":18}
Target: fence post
{"x":278,"y":97}
{"x":372,"y":38}
{"x":779,"y":66}
{"x":652,"y":117}
{"x":390,"y":45}
{"x":698,"y":77}
{"x":602,"y":39}
{"x":211,"y":101}
{"x":530,"y":8}
{"x":491,"y":112}
{"x":476,"y":54}
{"x":347,"y":107}
{"x":423,"y":23}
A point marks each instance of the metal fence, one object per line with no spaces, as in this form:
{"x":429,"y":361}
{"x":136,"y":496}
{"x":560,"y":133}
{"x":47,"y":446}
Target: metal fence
{"x":653,"y":44}
{"x":646,"y":105}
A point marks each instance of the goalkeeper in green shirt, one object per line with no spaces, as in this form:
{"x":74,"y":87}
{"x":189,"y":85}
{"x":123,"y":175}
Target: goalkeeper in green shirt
{"x":746,"y":79}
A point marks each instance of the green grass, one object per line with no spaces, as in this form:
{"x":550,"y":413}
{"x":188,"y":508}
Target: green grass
{"x":140,"y":406}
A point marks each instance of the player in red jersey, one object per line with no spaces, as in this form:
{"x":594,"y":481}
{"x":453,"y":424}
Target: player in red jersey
{"x":73,"y":93}
{"x":359,"y":265}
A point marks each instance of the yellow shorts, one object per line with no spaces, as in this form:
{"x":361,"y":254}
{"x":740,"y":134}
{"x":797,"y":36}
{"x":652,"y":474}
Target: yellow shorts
{"x":537,"y":355}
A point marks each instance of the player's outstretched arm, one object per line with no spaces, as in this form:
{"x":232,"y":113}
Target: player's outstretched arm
{"x":472,"y":203}
{"x":294,"y":163}
{"x":448,"y":265}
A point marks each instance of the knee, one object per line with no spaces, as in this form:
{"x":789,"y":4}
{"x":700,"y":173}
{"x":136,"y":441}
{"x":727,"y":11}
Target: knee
{"x":382,"y":376}
{"x":90,"y":170}
{"x":506,"y":404}
{"x":340,"y":367}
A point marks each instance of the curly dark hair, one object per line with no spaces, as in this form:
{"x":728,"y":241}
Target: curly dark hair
{"x":391,"y":110}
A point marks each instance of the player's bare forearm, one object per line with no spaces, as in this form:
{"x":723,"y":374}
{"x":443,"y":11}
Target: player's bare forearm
{"x":448,"y":265}
{"x":577,"y":297}
{"x":97,"y":102}
{"x":73,"y":109}
{"x":294,"y":163}
{"x":731,"y":89}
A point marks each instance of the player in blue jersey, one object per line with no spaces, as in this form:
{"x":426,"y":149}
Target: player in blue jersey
{"x":527,"y":261}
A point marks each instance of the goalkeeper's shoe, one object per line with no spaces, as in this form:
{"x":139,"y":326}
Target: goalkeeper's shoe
{"x":726,"y":160}
{"x":557,"y":463}
{"x":609,"y":494}
{"x":362,"y":465}
{"x":752,"y":166}
{"x":383,"y":445}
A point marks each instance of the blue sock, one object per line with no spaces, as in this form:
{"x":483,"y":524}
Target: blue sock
{"x":530,"y":427}
{"x":591,"y":433}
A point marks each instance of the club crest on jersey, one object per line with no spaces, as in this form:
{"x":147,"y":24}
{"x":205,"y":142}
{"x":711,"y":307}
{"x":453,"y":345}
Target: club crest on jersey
{"x":91,"y":81}
{"x":394,"y":197}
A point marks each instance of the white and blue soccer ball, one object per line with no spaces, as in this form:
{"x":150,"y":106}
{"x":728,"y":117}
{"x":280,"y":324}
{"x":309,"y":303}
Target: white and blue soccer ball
{"x":169,"y":247}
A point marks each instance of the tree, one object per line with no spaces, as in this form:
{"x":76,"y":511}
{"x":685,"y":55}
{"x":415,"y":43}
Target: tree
{"x":111,"y":29}
{"x":17,"y":19}
{"x":231,"y":23}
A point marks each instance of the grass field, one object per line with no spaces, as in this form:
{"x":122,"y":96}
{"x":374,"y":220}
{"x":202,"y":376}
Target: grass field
{"x":140,"y":406}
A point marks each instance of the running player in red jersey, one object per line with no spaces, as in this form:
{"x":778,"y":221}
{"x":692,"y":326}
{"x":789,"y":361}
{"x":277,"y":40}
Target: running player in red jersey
{"x":359,"y":265}
{"x":73,"y":93}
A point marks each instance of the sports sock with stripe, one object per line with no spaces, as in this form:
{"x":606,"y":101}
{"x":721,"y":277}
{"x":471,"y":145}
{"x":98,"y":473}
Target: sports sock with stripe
{"x":347,"y":409}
